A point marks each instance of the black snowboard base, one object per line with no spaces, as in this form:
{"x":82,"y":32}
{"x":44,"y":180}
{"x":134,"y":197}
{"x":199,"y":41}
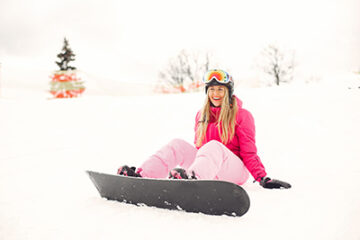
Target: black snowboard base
{"x":199,"y":196}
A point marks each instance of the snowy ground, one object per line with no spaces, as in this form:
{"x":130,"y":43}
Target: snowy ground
{"x":309,"y":136}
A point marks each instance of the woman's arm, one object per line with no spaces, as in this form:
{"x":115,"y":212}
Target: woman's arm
{"x":248,"y":152}
{"x":245,"y":132}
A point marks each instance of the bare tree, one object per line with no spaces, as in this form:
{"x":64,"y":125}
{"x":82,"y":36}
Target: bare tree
{"x":185,"y":68}
{"x":278,"y":64}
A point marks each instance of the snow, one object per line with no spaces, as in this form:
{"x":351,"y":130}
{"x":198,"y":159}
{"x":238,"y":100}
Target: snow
{"x":307,"y":135}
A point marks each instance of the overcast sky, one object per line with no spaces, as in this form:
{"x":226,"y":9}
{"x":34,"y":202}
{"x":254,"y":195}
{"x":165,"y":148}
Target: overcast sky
{"x":132,"y":40}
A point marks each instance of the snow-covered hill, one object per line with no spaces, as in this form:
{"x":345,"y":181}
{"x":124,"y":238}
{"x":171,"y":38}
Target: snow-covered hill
{"x":309,"y":136}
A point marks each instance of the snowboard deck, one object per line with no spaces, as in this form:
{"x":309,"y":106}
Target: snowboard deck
{"x":200,"y":196}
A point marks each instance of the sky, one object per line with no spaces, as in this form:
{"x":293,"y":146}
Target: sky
{"x":117,"y":41}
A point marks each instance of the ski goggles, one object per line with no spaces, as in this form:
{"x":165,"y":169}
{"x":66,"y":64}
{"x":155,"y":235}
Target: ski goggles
{"x":219,"y":75}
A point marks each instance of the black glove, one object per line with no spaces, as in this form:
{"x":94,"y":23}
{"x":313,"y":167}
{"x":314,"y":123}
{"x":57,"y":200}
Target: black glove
{"x":273,"y":183}
{"x":128,"y":171}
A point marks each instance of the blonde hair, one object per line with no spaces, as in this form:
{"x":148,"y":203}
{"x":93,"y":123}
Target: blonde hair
{"x":225,"y":123}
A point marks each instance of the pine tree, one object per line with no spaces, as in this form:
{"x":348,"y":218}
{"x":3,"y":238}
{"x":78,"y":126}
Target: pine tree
{"x":66,"y":56}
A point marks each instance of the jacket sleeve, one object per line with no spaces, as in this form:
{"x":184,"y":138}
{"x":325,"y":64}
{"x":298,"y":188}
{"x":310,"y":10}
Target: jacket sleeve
{"x":245,"y":132}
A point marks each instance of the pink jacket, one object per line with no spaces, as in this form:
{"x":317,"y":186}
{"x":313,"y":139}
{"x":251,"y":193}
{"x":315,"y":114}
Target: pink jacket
{"x":243,"y":143}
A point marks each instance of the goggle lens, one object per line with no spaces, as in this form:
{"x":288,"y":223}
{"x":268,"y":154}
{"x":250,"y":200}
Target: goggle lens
{"x":218,"y":75}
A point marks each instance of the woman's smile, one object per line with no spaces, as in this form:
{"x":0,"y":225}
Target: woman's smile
{"x":216,"y":94}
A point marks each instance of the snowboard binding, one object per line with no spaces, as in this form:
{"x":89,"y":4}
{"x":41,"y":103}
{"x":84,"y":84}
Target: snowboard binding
{"x":180,"y":173}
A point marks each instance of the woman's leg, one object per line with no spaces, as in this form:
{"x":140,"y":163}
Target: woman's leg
{"x":215,"y":161}
{"x":176,"y":152}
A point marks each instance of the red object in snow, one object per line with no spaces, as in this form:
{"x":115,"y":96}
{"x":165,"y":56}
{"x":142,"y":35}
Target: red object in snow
{"x":65,"y":84}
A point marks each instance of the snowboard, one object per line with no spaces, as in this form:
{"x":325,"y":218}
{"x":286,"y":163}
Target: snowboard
{"x":211,"y":197}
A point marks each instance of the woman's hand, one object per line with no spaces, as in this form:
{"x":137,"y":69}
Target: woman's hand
{"x":273,"y":183}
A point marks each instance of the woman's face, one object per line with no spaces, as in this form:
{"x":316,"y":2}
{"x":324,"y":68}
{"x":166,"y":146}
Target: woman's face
{"x":216,"y":94}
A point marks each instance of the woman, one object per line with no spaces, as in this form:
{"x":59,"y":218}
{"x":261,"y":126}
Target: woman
{"x":224,"y":139}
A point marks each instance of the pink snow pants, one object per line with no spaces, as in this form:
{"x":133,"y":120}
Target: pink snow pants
{"x":212,"y":161}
